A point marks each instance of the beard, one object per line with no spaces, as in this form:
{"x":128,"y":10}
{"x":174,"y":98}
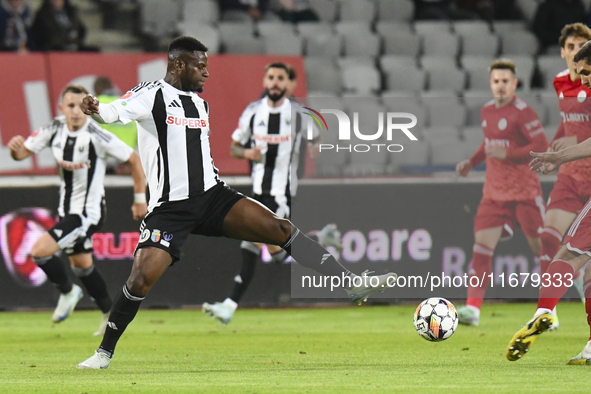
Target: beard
{"x":199,"y":90}
{"x":275,"y":97}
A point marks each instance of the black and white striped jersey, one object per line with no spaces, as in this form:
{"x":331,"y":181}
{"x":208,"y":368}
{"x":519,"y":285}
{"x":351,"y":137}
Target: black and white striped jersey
{"x":173,"y":140}
{"x":278,"y":130}
{"x":81,"y":158}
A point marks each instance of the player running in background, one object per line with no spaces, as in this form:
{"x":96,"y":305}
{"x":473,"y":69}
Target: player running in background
{"x":186,"y":193}
{"x":575,"y":251}
{"x":511,"y":192}
{"x":80,"y":147}
{"x":572,"y":189}
{"x":275,"y":139}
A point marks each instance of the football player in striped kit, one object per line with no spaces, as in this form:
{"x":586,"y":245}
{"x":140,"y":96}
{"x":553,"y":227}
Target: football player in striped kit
{"x":274,"y":141}
{"x":186,"y":193}
{"x":80,"y":147}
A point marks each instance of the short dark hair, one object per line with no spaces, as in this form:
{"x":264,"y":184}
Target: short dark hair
{"x":574,"y":30}
{"x":277,"y":65}
{"x":584,"y":53}
{"x":101,"y":84}
{"x":184,"y":44}
{"x":291,"y":72}
{"x":503,"y":64}
{"x":76,"y":89}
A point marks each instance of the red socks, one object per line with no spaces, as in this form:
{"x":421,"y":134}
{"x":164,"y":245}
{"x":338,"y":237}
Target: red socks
{"x":481,"y":265}
{"x":555,"y":286}
{"x":587,"y":287}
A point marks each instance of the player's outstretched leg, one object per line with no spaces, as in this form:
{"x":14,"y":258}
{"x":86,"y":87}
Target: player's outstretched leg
{"x":584,"y":358}
{"x":251,"y":221}
{"x":55,"y":270}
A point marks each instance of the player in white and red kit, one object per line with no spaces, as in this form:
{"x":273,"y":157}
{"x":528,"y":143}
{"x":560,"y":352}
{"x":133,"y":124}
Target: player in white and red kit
{"x":573,"y":187}
{"x":575,"y":251}
{"x":511,"y":191}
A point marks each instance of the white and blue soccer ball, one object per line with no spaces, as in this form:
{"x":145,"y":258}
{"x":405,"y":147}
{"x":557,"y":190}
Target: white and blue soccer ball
{"x":436,"y":319}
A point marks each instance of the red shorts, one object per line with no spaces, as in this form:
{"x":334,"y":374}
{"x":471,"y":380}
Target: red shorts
{"x":578,"y":237}
{"x":568,"y":194}
{"x":529,"y":214}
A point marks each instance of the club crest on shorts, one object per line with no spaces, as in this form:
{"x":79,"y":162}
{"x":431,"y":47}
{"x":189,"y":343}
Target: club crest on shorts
{"x":155,"y":235}
{"x":145,"y":236}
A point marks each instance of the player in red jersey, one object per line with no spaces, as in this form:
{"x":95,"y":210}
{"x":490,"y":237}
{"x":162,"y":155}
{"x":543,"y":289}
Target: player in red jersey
{"x":511,"y":191}
{"x":575,"y":251}
{"x":573,"y":187}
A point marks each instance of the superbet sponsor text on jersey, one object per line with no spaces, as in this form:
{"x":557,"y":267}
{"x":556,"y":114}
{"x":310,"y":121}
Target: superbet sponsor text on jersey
{"x":574,"y":102}
{"x":517,"y":128}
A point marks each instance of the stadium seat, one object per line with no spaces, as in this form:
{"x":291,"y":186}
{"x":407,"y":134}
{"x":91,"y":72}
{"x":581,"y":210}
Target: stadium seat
{"x":551,"y":102}
{"x":159,"y":18}
{"x":415,"y":153}
{"x":519,"y":42}
{"x":549,"y":66}
{"x":266,"y":29}
{"x":349,"y":61}
{"x":447,"y":152}
{"x":442,"y":112}
{"x":323,"y":75}
{"x":525,"y":69}
{"x":247,"y":45}
{"x":327,"y":102}
{"x":432,"y":27}
{"x":550,"y":130}
{"x":208,"y":35}
{"x":474,"y":100}
{"x":310,"y":29}
{"x":325,"y":9}
{"x":504,"y":26}
{"x":395,"y":10}
{"x":470,"y":27}
{"x":528,"y":9}
{"x":478,"y":71}
{"x":385,"y":28}
{"x":327,"y":45}
{"x":402,"y":43}
{"x":473,"y":137}
{"x":357,"y":10}
{"x":361,"y":79}
{"x":394,"y":61}
{"x":404,"y":79}
{"x":358,"y":39}
{"x":230,"y":30}
{"x":200,"y":11}
{"x":480,"y":44}
{"x":444,"y":74}
{"x":441,"y":44}
{"x":283,"y":44}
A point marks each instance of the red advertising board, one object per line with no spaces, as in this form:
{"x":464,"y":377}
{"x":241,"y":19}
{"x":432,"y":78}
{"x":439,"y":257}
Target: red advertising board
{"x":234,"y":82}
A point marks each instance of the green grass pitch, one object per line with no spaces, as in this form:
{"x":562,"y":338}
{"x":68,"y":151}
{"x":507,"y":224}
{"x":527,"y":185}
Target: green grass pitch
{"x":367,"y":349}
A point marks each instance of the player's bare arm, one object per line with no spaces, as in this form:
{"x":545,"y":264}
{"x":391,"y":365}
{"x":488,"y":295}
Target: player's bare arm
{"x":547,"y":162}
{"x":17,"y":148}
{"x":464,"y":167}
{"x":239,"y":152}
{"x":139,"y":208}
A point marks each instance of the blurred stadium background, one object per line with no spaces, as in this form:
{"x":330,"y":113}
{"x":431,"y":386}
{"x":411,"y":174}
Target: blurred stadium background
{"x":372,"y":51}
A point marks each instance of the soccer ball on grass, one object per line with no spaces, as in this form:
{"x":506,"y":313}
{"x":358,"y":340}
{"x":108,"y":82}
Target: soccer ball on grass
{"x":436,"y":319}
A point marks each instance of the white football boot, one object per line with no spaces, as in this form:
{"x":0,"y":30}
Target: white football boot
{"x":103,"y":325}
{"x":222,"y":311}
{"x":66,"y":304}
{"x":583,"y":358}
{"x":99,"y":360}
{"x":359,"y":294}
